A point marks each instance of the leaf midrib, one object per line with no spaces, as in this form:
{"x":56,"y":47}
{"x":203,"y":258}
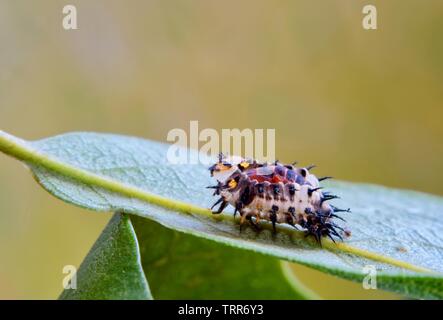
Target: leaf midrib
{"x":23,"y":151}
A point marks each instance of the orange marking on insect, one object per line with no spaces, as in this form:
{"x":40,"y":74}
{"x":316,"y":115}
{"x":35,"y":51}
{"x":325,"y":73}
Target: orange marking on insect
{"x":232,"y":184}
{"x":244,"y":164}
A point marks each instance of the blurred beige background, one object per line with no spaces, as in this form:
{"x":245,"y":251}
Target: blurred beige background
{"x":363,"y":105}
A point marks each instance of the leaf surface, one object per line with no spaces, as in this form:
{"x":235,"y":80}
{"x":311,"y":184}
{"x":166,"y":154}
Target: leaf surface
{"x":181,"y":266}
{"x":112,"y":269}
{"x":396,"y":231}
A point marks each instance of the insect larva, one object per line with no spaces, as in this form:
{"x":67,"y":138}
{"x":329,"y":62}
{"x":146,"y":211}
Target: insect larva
{"x":277,"y":193}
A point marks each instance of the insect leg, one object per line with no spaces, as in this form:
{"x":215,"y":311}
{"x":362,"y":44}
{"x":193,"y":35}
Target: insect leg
{"x":242,"y":219}
{"x":222,"y":205}
{"x":255,"y":225}
{"x":238,"y":207}
{"x":273,"y":217}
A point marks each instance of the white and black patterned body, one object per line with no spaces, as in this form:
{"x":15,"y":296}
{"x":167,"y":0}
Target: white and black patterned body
{"x":277,"y":193}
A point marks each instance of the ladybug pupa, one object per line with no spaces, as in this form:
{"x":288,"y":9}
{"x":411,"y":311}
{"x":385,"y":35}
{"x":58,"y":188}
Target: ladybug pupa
{"x":278,"y":193}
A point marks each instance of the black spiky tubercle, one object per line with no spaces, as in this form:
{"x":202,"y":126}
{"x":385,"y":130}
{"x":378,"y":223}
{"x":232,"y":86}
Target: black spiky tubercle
{"x":276,"y":193}
{"x":320,"y":225}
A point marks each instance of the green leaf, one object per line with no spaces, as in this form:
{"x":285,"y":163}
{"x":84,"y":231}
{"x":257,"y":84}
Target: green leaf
{"x":181,"y":266}
{"x":394,"y":230}
{"x":112,"y":268}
